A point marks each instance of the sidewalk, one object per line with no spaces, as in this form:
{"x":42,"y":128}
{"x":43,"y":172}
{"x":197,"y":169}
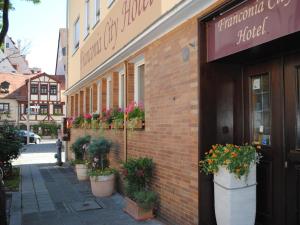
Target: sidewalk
{"x":52,"y":195}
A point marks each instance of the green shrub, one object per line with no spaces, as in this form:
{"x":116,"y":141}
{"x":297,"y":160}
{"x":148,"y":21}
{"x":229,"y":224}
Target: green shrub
{"x":145,"y":199}
{"x":98,"y":152}
{"x":78,"y":121}
{"x":78,"y":147}
{"x":138,"y":174}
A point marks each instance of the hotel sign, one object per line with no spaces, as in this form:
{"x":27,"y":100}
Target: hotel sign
{"x":251,"y":24}
{"x":124,"y":22}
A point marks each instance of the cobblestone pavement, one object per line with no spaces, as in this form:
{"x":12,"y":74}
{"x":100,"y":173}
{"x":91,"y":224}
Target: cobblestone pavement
{"x":52,"y":195}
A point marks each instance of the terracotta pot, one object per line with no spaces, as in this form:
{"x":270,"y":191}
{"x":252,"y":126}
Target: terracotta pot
{"x":81,"y":171}
{"x":138,"y":213}
{"x":103,"y":186}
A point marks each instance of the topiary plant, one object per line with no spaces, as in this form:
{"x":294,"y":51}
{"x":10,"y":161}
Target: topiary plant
{"x":98,"y":152}
{"x":78,"y":147}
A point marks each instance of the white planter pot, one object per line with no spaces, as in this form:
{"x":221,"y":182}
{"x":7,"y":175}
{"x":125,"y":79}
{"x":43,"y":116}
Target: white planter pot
{"x":235,"y":199}
{"x":103,"y":186}
{"x":82,"y":171}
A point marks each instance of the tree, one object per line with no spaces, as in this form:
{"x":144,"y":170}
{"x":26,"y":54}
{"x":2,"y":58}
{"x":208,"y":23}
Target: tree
{"x":5,"y":5}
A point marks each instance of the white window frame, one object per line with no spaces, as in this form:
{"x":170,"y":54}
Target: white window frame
{"x":139,"y":62}
{"x":108,"y":92}
{"x":87,"y":18}
{"x":91,"y":99}
{"x":97,"y":11}
{"x":76,"y":35}
{"x":99,"y":97}
{"x":122,"y":90}
{"x":109,"y":3}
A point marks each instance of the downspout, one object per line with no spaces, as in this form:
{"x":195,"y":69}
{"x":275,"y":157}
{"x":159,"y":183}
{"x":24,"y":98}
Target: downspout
{"x":125,"y":115}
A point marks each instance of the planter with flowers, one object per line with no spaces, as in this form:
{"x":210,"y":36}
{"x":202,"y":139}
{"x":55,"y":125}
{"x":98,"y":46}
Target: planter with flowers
{"x":79,"y":147}
{"x":95,"y":121}
{"x":105,"y":119}
{"x":140,"y":201}
{"x":117,"y":118}
{"x":135,"y":115}
{"x":102,"y":177}
{"x":87,"y":120}
{"x":234,"y":170}
{"x":78,"y":122}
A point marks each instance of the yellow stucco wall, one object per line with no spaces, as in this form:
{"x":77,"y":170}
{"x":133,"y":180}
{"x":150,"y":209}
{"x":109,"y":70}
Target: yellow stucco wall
{"x":13,"y":107}
{"x":76,"y":9}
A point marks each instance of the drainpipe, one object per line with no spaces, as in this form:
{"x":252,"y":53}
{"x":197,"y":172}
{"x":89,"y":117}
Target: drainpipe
{"x":125,"y":105}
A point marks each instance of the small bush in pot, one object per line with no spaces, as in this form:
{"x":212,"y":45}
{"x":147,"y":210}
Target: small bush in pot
{"x":102,"y":177}
{"x":79,"y":147}
{"x":141,"y":201}
{"x":234,"y":170}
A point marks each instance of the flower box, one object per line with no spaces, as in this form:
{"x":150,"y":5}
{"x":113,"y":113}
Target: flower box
{"x":135,"y":124}
{"x":104,"y":125}
{"x":117,"y":125}
{"x":132,"y":208}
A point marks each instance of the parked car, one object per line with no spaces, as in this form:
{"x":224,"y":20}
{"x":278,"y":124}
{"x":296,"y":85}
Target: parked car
{"x":33,"y":138}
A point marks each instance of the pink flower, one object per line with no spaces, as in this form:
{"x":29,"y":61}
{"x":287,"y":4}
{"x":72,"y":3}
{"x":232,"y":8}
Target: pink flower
{"x":88,"y":116}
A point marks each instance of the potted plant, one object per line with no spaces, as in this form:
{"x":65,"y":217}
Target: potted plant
{"x":95,"y":121}
{"x":117,"y":118}
{"x":140,"y":201}
{"x":105,"y":119}
{"x":135,"y":115}
{"x":79,"y":148}
{"x":87,"y":120}
{"x":101,"y":176}
{"x":234,"y":170}
{"x":78,"y":121}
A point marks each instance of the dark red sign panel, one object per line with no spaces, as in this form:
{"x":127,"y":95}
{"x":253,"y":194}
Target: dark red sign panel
{"x":251,"y":24}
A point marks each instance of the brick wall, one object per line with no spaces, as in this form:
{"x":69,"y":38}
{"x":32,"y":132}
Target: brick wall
{"x":171,"y":133}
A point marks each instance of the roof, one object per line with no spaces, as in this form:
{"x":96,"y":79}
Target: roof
{"x":17,"y":87}
{"x":18,"y":84}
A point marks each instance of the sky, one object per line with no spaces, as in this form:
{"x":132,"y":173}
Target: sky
{"x":39,"y":26}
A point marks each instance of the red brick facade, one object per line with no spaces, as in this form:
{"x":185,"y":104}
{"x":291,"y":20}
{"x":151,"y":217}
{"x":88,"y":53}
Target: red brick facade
{"x":171,"y":114}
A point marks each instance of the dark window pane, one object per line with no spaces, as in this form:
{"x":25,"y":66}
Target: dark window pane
{"x":260,"y":109}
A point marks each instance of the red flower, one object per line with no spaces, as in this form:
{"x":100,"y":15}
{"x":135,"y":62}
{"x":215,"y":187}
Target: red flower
{"x":88,"y":116}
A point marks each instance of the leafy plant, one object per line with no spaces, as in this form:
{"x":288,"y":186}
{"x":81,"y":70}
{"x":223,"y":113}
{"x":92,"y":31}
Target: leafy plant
{"x":79,"y":147}
{"x":135,"y":110}
{"x":98,"y":152}
{"x":145,"y":199}
{"x":100,"y":172}
{"x":138,"y":174}
{"x":78,"y":121}
{"x":95,"y":116}
{"x":237,"y":159}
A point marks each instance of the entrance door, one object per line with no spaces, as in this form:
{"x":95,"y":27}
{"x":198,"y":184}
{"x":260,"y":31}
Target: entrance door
{"x":292,"y":130}
{"x":263,"y":125}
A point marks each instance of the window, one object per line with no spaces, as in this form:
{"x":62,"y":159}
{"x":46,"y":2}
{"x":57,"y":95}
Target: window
{"x":76,"y":35}
{"x":109,"y":93}
{"x":97,"y":11}
{"x":91,"y":100}
{"x":7,"y":45}
{"x":57,"y":110}
{"x":139,"y":73}
{"x":53,"y":90}
{"x":34,"y":89}
{"x":87,"y":17}
{"x":109,"y":3}
{"x":261,"y":109}
{"x":44,"y":89}
{"x":43,"y":109}
{"x":64,"y":51}
{"x":5,"y":87}
{"x":121,"y":89}
{"x":4,"y":107}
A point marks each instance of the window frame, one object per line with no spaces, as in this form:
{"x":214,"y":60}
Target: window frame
{"x":50,"y":91}
{"x":86,"y":18}
{"x":97,"y":11}
{"x":91,"y":100}
{"x":75,"y":41}
{"x":36,"y":88}
{"x":109,"y":93}
{"x":110,"y":3}
{"x":3,"y":110}
{"x":137,"y":64}
{"x":43,"y":107}
{"x":57,"y":106}
{"x":122,"y":89}
{"x":41,"y":88}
